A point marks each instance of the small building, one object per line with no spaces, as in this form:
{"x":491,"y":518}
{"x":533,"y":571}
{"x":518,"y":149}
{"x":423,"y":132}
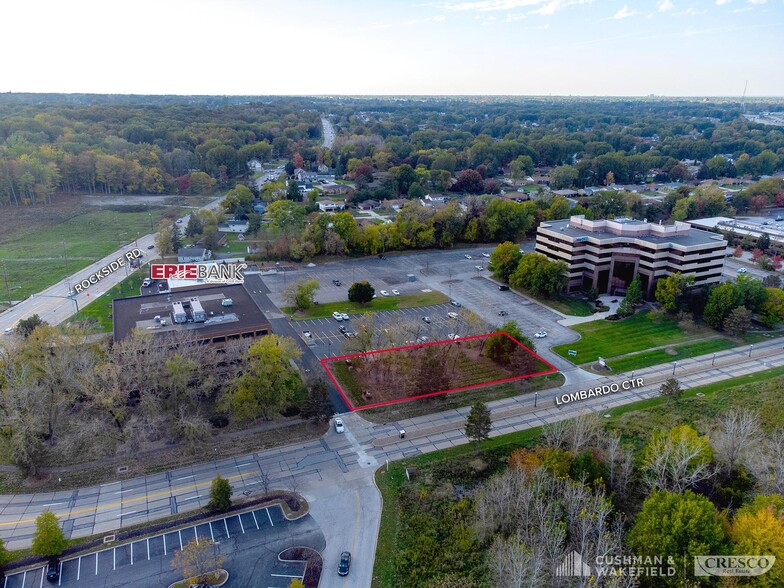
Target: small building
{"x":234,"y":226}
{"x":192,"y":254}
{"x":305,"y":176}
{"x":369,"y":204}
{"x":331,"y":205}
{"x":221,"y":242}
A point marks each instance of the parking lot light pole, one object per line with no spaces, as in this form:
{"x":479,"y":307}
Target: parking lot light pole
{"x":713,"y":361}
{"x":674,"y":365}
{"x":536,"y":397}
{"x":750,"y":348}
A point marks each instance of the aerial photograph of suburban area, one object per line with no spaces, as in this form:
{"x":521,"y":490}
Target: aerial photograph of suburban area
{"x":453,"y":294}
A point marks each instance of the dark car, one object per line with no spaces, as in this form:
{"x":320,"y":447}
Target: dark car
{"x":53,"y":570}
{"x":345,"y":563}
{"x":337,"y":282}
{"x":150,"y":246}
{"x":342,"y":329}
{"x":503,"y":288}
{"x":454,"y":303}
{"x":502,"y":313}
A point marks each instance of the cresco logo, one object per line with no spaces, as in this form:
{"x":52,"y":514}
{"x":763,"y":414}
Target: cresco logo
{"x":732,"y":565}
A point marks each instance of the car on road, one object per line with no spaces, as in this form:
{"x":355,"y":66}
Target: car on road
{"x":9,"y":330}
{"x":384,"y":293}
{"x":337,"y":316}
{"x":53,"y":570}
{"x":337,"y":282}
{"x":339,"y":426}
{"x":179,"y":221}
{"x":468,"y":256}
{"x":455,"y":303}
{"x":741,"y":270}
{"x":452,"y":315}
{"x":502,"y":313}
{"x":427,"y":319}
{"x":344,"y":564}
{"x":71,"y":293}
{"x":485,"y":255}
{"x":541,"y":334}
{"x":779,"y":218}
{"x":479,"y":267}
{"x":396,"y":292}
{"x":344,"y":316}
{"x":150,"y":246}
{"x":503,"y":288}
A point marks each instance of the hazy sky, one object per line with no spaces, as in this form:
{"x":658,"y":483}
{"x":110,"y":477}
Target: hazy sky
{"x":562,"y":47}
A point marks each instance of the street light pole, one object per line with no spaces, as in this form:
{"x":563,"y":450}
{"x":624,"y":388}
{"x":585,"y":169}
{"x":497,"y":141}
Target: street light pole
{"x":674,"y":365}
{"x":750,"y":348}
{"x":536,"y":397}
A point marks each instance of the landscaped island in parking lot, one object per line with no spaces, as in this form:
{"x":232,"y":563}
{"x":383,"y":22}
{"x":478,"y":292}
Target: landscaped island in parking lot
{"x":385,"y":376}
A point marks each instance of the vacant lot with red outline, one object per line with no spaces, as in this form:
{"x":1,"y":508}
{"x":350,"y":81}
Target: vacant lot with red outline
{"x":386,"y":376}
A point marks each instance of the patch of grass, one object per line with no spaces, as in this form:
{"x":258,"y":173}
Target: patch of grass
{"x":234,"y":245}
{"x":34,"y":248}
{"x":613,"y":338}
{"x":326,"y":309}
{"x":658,"y":356}
{"x":569,"y":305}
{"x":100,"y":309}
{"x":751,"y":338}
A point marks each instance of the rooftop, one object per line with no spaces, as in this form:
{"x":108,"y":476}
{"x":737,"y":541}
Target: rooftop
{"x":139,"y":312}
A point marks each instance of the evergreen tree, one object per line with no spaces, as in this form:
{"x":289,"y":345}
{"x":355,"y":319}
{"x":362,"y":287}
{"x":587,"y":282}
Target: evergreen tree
{"x":478,"y":424}
{"x":220,"y":495}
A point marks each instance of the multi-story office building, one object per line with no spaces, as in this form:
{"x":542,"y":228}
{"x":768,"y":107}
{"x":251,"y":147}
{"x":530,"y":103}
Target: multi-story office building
{"x":609,"y":254}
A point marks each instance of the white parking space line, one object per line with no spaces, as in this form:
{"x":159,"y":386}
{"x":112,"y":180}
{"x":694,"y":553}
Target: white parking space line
{"x":212,"y":535}
{"x":179,"y":532}
{"x":96,"y":564}
{"x":114,"y":558}
{"x":269,"y":517}
{"x":225,"y":524}
{"x":79,"y":569}
{"x":239,"y":518}
{"x":148,"y":549}
{"x":164,"y":545}
{"x":131,"y":553}
{"x":254,"y":519}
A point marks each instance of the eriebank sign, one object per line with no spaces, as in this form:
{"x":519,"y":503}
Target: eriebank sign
{"x":214,"y":273}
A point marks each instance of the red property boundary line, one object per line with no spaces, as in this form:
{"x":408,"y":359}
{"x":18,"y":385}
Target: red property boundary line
{"x":352,"y":408}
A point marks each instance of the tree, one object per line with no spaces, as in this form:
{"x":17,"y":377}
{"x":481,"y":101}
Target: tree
{"x":469,"y":181}
{"x":268,"y":382}
{"x":48,"y":540}
{"x":289,"y":168}
{"x":670,"y":289}
{"x":737,"y":433}
{"x":522,"y":167}
{"x":163,"y":240}
{"x":287,"y":216}
{"x":361,"y":292}
{"x":671,"y":389}
{"x":738,"y":252}
{"x":677,"y":459}
{"x":25,"y":327}
{"x":504,"y":260}
{"x":478,"y":424}
{"x":194,"y":226}
{"x":563,"y":176}
{"x":678,"y":525}
{"x":721,"y":301}
{"x":771,"y":281}
{"x":296,"y":583}
{"x":220,"y":495}
{"x":317,"y":406}
{"x":772,"y":312}
{"x":198,"y":561}
{"x":302,"y":294}
{"x":539,"y":275}
{"x":759,"y":528}
{"x":634,"y":291}
{"x":292,"y":192}
{"x":738,"y":321}
{"x":625,"y":308}
{"x":764,"y":242}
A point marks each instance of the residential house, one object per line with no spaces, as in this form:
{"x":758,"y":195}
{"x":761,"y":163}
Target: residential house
{"x":233,"y":226}
{"x":192,"y":254}
{"x":369,"y":204}
{"x":331,"y":205}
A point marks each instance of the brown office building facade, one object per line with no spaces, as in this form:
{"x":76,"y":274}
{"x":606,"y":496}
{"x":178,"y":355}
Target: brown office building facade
{"x":609,"y":254}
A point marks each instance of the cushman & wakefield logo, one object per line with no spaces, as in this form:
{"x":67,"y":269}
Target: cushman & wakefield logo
{"x":214,"y":273}
{"x":732,"y":565}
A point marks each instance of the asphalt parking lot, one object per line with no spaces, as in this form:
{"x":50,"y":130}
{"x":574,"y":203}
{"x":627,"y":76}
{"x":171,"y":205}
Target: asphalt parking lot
{"x":329,"y":341}
{"x":250,"y":542}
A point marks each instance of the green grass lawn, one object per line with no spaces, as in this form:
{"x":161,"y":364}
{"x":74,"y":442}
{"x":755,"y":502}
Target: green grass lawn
{"x":377,"y":304}
{"x":100,"y":310}
{"x":35,"y":249}
{"x":234,"y":245}
{"x":569,"y":305}
{"x":612,"y":338}
{"x":659,"y":356}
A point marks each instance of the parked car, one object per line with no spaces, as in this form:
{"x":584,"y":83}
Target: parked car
{"x":452,"y":336}
{"x":503,"y":288}
{"x":502,"y":313}
{"x":342,"y":329}
{"x":150,"y":246}
{"x":452,"y":315}
{"x":344,"y":564}
{"x":53,"y":570}
{"x":741,"y":270}
{"x":337,"y":316}
{"x":779,"y":218}
{"x":146,"y":282}
{"x":179,"y":221}
{"x":384,"y":293}
{"x":337,"y":282}
{"x":344,"y":316}
{"x":455,"y":303}
{"x":339,"y":426}
{"x":427,"y":319}
{"x":423,"y":339}
{"x":396,"y":292}
{"x":468,"y":256}
{"x":479,"y":267}
{"x":541,"y":334}
{"x":485,"y":255}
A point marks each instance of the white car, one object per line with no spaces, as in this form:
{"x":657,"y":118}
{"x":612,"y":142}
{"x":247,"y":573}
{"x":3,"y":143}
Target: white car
{"x":384,"y":293}
{"x":540,"y":334}
{"x":344,"y":316}
{"x":468,"y":256}
{"x":485,"y":255}
{"x":337,"y":316}
{"x":479,"y":267}
{"x":396,"y":292}
{"x":741,"y":270}
{"x":423,"y":339}
{"x":452,"y":315}
{"x":452,"y":336}
{"x":339,"y":426}
{"x":426,"y":319}
{"x":9,"y":330}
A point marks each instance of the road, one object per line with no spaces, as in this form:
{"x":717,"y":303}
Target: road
{"x":53,"y":304}
{"x":329,"y":132}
